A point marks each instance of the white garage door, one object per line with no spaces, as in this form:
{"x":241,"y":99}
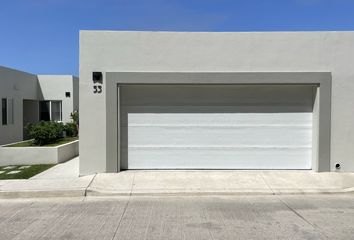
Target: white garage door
{"x":216,"y":127}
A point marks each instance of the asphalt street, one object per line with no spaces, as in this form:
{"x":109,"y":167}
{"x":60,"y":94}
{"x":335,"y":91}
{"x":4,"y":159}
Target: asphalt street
{"x":192,"y":217}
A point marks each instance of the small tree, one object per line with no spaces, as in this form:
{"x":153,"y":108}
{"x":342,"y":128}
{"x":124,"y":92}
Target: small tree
{"x":75,"y":117}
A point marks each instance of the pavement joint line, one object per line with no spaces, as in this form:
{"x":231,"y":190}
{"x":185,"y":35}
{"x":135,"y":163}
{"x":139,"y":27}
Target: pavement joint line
{"x":124,"y":210}
{"x":303,"y":218}
{"x":133,"y":183}
{"x":86,"y":189}
{"x":270,"y":188}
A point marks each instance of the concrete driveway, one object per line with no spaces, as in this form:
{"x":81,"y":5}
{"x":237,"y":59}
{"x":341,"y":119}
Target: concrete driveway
{"x":213,"y":217}
{"x":219,"y":182}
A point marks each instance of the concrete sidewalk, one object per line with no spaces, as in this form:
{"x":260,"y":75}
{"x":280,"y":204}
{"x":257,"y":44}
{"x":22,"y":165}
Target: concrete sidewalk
{"x":69,"y":169}
{"x":60,"y":180}
{"x":63,"y":180}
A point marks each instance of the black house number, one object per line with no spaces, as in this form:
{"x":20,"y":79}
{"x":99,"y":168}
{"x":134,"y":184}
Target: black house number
{"x":97,"y":89}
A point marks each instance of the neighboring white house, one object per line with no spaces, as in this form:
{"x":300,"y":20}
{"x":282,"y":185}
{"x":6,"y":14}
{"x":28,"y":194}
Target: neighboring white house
{"x":29,"y":98}
{"x":204,"y":100}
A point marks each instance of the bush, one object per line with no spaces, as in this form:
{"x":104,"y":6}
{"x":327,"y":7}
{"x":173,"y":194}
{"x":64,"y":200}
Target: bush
{"x":45,"y":132}
{"x":70,"y":129}
{"x":75,"y":117}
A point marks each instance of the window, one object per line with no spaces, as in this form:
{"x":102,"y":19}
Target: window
{"x":56,"y":111}
{"x":50,"y":111}
{"x":67,"y":94}
{"x":44,"y":108}
{"x":10,"y":111}
{"x":7,"y":111}
{"x":4,"y":111}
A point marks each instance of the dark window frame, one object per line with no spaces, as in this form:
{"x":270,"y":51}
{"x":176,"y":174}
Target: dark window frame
{"x":46,"y":110}
{"x":4,"y":111}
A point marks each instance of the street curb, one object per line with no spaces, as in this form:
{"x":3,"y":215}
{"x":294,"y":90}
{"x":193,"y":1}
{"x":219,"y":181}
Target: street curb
{"x":102,"y":193}
{"x":42,"y":193}
{"x":92,"y":192}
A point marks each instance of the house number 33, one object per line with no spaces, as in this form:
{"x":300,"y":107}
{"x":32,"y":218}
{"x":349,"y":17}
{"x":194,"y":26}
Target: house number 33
{"x":97,"y":89}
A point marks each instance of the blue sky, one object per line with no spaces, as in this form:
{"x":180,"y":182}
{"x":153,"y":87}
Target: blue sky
{"x":42,"y":36}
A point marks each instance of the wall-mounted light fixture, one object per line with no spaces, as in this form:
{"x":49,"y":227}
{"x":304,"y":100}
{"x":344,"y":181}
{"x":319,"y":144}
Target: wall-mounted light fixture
{"x":97,"y":77}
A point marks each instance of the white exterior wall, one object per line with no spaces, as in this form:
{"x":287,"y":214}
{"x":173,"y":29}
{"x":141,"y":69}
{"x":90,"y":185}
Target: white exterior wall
{"x":53,"y":87}
{"x":21,"y":86}
{"x":18,"y":86}
{"x":38,"y":155}
{"x":215,"y":52}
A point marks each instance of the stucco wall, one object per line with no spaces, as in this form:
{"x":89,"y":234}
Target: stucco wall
{"x":17,"y":85}
{"x":38,"y":155}
{"x":53,"y":87}
{"x":215,"y":52}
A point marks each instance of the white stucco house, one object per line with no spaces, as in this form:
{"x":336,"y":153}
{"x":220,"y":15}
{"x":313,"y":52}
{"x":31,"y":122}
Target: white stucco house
{"x":29,"y":98}
{"x":213,"y":100}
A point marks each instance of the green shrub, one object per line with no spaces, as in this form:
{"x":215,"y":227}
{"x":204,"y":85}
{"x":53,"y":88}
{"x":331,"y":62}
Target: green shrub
{"x":75,"y":117}
{"x":29,"y":127}
{"x":70,"y":129}
{"x":45,"y":132}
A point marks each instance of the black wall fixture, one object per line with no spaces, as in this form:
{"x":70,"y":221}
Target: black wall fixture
{"x":97,"y":77}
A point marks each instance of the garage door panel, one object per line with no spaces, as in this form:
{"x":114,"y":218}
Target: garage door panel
{"x":219,"y":158}
{"x":209,"y":95}
{"x":219,"y":135}
{"x":218,"y":116}
{"x":216,"y":127}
